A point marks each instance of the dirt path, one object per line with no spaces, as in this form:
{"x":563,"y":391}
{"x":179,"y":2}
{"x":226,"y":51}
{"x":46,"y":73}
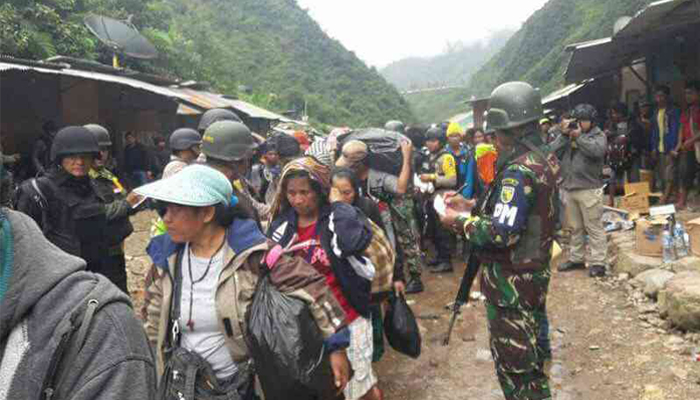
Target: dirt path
{"x":607,"y":342}
{"x":603,"y":348}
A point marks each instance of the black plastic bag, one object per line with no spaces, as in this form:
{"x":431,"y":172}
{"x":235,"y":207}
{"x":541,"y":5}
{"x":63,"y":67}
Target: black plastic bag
{"x":401,"y":329}
{"x":384,"y":148}
{"x":287,"y":347}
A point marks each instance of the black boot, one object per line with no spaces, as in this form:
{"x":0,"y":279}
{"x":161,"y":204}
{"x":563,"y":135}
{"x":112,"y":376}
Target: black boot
{"x":441,"y":268}
{"x":415,"y":285}
{"x":432,"y":263}
{"x":570,"y":266}
{"x":596,"y":271}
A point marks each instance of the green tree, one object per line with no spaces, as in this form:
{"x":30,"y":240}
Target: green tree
{"x":271,"y":46}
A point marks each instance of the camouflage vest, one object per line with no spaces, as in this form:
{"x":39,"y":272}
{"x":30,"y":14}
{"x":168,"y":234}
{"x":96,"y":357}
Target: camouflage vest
{"x":532,"y":252}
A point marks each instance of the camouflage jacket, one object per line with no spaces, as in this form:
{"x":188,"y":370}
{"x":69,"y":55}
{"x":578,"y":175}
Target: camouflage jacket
{"x":514,"y":228}
{"x":117,"y":209}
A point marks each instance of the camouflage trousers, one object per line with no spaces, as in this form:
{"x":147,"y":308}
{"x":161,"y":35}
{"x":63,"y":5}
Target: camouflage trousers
{"x":519,"y":360}
{"x":406,"y":230}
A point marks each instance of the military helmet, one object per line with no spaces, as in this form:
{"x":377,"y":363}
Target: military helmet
{"x":228,"y":141}
{"x":585,"y":112}
{"x":512,"y":105}
{"x":395,"y":126}
{"x":73,"y":140}
{"x":184,"y":139}
{"x":435,"y":133}
{"x":101,"y":135}
{"x":215,"y":115}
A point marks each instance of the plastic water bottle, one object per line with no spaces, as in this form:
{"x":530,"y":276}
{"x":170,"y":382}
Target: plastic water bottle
{"x":679,"y":241}
{"x":668,"y":248}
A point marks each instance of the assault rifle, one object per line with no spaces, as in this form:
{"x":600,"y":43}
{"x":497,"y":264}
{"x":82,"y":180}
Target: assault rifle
{"x":463,"y":294}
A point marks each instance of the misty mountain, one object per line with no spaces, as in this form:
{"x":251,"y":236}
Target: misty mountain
{"x":454,"y":67}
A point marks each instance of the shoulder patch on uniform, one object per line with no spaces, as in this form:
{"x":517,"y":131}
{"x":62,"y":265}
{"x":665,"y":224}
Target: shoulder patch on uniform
{"x":507,"y":194}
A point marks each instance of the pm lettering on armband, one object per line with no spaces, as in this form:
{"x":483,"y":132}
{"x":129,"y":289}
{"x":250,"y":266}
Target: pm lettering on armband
{"x":505,"y":212}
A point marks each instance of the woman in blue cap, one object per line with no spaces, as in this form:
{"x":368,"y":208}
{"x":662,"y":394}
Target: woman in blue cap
{"x":204,"y":275}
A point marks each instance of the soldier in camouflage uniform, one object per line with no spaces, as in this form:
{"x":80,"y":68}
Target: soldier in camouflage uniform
{"x":118,"y":209}
{"x":406,"y":230}
{"x":512,"y":231}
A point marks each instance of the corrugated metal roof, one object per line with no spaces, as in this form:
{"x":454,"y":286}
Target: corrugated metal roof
{"x":257,"y":112}
{"x":97,"y":76}
{"x":657,"y":15}
{"x":201,"y":99}
{"x":589,"y":43}
{"x":598,"y":58}
{"x":473,"y":102}
{"x":561,"y":93}
{"x":207,"y":100}
{"x":187,"y":110}
{"x":652,"y":24}
{"x":191,"y":101}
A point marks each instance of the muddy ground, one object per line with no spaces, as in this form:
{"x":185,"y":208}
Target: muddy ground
{"x":603,"y":345}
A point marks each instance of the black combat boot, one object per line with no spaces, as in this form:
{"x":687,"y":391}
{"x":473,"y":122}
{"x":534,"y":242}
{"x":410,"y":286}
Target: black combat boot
{"x":596,"y":271}
{"x":570,"y":266}
{"x":415,"y":285}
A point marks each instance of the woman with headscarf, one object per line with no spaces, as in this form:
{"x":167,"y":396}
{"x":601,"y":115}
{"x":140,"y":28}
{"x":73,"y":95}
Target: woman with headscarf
{"x":310,"y":216}
{"x":203,"y":281}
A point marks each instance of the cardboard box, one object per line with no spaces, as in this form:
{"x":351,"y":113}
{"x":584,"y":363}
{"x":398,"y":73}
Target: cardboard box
{"x":648,"y":237}
{"x":693,"y":228}
{"x":646,"y":175}
{"x":637,"y":188}
{"x":636,"y":199}
{"x":635,"y":203}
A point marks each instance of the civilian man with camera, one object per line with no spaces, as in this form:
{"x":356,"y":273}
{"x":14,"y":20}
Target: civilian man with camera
{"x":581,"y":148}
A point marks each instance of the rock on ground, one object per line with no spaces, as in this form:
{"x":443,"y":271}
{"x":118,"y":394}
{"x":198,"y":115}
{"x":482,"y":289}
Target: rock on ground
{"x":653,"y":392}
{"x":680,"y":300}
{"x":652,"y":281}
{"x":634,"y":264}
{"x":684,"y":264}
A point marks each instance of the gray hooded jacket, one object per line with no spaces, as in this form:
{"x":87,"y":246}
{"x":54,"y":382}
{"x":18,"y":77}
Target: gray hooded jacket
{"x":582,"y":159}
{"x":66,"y":333}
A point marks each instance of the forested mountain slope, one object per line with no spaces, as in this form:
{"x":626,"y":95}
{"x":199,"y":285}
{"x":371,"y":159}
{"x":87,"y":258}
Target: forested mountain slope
{"x":536,"y":52}
{"x":272,"y":47}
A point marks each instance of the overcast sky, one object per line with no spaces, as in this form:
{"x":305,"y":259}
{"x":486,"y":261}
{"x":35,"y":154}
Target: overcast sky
{"x":382,"y":31}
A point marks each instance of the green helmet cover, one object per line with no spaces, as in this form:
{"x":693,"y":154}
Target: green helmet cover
{"x":228,"y":141}
{"x":512,"y":105}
